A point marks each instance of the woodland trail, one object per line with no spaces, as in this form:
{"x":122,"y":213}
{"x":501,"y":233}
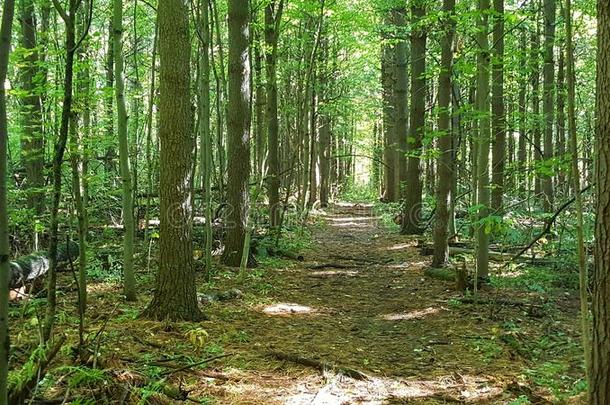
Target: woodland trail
{"x":360,"y":301}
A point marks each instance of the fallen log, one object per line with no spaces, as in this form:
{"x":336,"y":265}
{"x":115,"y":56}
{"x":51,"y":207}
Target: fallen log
{"x":331,"y":265}
{"x":320,"y":365}
{"x":28,"y":268}
{"x":428,"y":250}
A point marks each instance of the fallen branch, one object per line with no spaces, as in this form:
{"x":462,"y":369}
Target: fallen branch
{"x":320,"y":365}
{"x":549,"y":224}
{"x":331,"y":265}
{"x":199,"y":363}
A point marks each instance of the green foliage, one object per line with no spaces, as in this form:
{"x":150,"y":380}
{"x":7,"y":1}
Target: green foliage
{"x":536,"y":279}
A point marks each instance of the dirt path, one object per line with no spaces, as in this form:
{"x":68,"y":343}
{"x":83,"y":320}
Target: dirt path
{"x":360,"y":301}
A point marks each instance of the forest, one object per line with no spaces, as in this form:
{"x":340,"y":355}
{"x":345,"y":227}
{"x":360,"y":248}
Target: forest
{"x":305,"y":202}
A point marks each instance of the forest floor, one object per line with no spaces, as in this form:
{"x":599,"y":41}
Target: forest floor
{"x":356,"y":322}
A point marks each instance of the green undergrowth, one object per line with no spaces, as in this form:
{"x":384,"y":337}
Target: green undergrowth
{"x":540,"y":279}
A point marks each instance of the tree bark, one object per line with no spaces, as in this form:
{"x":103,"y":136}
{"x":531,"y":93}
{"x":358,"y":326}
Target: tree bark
{"x":175,"y":295}
{"x":522,"y":145}
{"x":8,"y":11}
{"x":389,"y":128}
{"x":129,"y":281}
{"x":273,"y":17}
{"x":69,"y":18}
{"x":445,"y":160}
{"x":238,"y":124}
{"x":401,"y":88}
{"x":549,"y":101}
{"x":32,"y":139}
{"x":599,"y":371}
{"x":411,"y":217}
{"x":498,"y":109}
{"x":484,"y":137}
{"x":536,"y":118}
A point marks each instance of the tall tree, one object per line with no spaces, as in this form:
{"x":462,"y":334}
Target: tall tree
{"x":534,"y":62}
{"x":8,"y":11}
{"x":483,"y":139}
{"x":599,"y":372}
{"x":273,"y":18}
{"x":498,"y":108}
{"x":205,"y":135}
{"x":32,"y":139}
{"x":445,"y":161}
{"x":129,"y":281}
{"x":389,"y":127}
{"x":549,"y":99}
{"x":175,"y":295}
{"x":71,"y":46}
{"x":411,"y":217}
{"x":401,"y":95}
{"x":238,"y":131}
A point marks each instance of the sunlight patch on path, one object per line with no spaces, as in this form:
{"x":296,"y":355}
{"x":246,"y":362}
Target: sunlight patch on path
{"x":416,"y":314}
{"x":328,"y":273}
{"x":336,"y":390}
{"x":283,"y":309}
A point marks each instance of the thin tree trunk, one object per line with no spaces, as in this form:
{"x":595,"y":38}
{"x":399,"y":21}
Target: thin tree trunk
{"x":238,"y":124}
{"x":549,"y":100}
{"x":109,"y":97}
{"x":69,"y":18}
{"x":446,"y":161}
{"x":129,"y":281}
{"x":498,"y":109}
{"x":411,"y":218}
{"x":205,"y":135}
{"x":561,"y":118}
{"x":484,"y":137}
{"x":273,"y":18}
{"x":535,"y":78}
{"x":401,"y":110}
{"x":32,"y":143}
{"x":390,"y":150}
{"x":8,"y":11}
{"x":522,"y":146}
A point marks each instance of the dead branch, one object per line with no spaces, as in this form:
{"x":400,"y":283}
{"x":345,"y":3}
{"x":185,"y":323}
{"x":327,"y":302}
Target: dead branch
{"x":320,"y":365}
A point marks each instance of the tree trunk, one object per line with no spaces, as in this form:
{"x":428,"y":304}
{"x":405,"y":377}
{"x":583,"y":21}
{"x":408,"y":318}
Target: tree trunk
{"x":498,"y":109}
{"x":522,"y":146}
{"x":129,"y":281}
{"x":389,"y":127}
{"x":411,"y":218}
{"x":549,"y":101}
{"x":273,"y":17}
{"x":205,"y":135}
{"x":175,"y":295}
{"x":260,"y":107}
{"x":561,"y":119}
{"x":8,"y":11}
{"x":535,"y":78}
{"x":401,"y":88}
{"x":69,"y":18}
{"x":110,"y":157}
{"x":238,"y":124}
{"x":32,"y":138}
{"x":599,"y":371}
{"x":484,"y":137}
{"x":446,"y":162}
